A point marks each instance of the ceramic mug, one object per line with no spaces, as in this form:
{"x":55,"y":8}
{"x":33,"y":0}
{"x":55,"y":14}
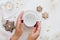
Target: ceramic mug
{"x":29,"y":18}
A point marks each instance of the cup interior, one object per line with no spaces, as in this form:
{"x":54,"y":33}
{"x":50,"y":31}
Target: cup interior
{"x":29,"y":19}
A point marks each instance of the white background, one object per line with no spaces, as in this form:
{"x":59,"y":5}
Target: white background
{"x":52,"y":24}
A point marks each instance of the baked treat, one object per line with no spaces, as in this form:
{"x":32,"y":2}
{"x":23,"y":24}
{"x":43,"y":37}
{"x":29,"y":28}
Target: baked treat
{"x":45,"y":15}
{"x":9,"y":5}
{"x":39,"y":9}
{"x":9,"y":25}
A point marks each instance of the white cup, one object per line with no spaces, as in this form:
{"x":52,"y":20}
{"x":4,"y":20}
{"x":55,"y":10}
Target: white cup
{"x":29,"y":18}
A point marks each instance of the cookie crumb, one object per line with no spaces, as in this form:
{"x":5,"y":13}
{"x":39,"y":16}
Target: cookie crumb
{"x":47,"y":30}
{"x":14,"y":16}
{"x":17,"y":5}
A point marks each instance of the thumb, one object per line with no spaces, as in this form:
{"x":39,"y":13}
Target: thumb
{"x":34,"y":29}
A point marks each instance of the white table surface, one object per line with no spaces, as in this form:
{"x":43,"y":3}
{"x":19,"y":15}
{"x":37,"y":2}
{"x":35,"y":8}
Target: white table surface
{"x":50,"y":28}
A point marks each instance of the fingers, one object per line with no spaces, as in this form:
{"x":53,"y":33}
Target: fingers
{"x":33,"y":30}
{"x":38,"y":28}
{"x":19,"y":19}
{"x":20,"y":16}
{"x":21,"y":26}
{"x":38,"y":25}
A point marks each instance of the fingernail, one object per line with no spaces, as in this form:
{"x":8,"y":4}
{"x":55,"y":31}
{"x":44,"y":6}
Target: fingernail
{"x":22,"y":21}
{"x":35,"y":25}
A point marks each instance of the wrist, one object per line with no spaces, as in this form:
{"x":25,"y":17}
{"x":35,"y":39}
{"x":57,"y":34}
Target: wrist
{"x":31,"y":38}
{"x":14,"y":37}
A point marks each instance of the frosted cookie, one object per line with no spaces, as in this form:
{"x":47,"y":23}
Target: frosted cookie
{"x":45,"y":15}
{"x":39,"y":9}
{"x":9,"y":5}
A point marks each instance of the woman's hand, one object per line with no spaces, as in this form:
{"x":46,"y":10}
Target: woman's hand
{"x":35,"y":32}
{"x":19,"y":28}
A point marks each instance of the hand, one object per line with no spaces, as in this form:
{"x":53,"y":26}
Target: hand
{"x":19,"y":28}
{"x":35,"y":32}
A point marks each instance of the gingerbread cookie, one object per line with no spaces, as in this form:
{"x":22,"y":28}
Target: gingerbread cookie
{"x":9,"y":6}
{"x":9,"y":25}
{"x":45,"y":15}
{"x":39,"y":9}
